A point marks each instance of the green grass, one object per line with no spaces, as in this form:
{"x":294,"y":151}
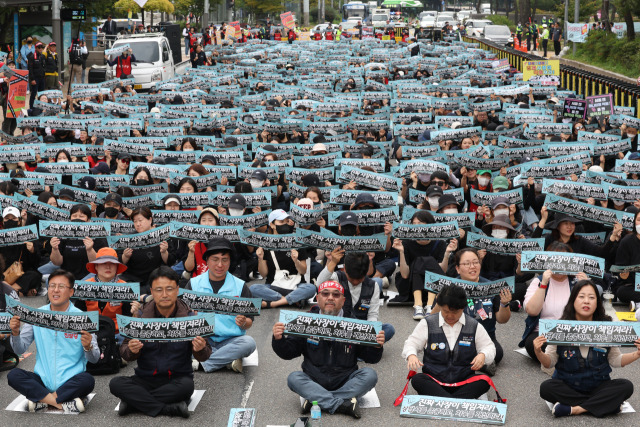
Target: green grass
{"x":610,"y":53}
{"x":606,"y":65}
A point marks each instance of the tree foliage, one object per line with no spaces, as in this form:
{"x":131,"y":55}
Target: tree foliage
{"x":151,"y":5}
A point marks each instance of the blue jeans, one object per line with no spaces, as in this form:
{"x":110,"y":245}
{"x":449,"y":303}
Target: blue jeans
{"x":358,"y":384}
{"x":31,"y":386}
{"x":303,"y":292}
{"x":386,"y":267}
{"x":186,"y":47}
{"x":225,"y":352}
{"x":389,"y":331}
{"x":178,"y":267}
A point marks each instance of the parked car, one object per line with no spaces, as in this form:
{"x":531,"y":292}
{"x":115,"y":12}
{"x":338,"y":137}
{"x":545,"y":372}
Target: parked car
{"x":475,"y":27}
{"x":500,"y":34}
{"x":320,"y":28}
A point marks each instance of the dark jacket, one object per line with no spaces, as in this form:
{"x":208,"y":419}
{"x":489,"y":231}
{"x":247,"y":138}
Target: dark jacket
{"x":328,"y":363}
{"x":164,"y":359}
{"x":35,"y":64}
{"x":50,"y":62}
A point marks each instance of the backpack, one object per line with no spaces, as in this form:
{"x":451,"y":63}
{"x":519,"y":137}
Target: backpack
{"x":109,"y":362}
{"x":75,"y":57}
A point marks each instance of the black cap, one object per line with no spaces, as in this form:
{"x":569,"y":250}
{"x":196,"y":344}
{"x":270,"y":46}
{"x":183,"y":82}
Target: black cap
{"x":434,"y":190}
{"x":113,"y":197}
{"x":447,"y":199}
{"x":88,"y":182}
{"x":230,"y":142}
{"x":100,"y":168}
{"x":42,"y":170}
{"x":67,"y":192}
{"x":123,"y":156}
{"x":259,"y":174}
{"x":49,"y":138}
{"x":237,"y":201}
{"x":365,"y":198}
{"x":209,"y":158}
{"x":347,"y":218}
{"x":218,"y":244}
{"x":269,"y":148}
{"x":311,"y":180}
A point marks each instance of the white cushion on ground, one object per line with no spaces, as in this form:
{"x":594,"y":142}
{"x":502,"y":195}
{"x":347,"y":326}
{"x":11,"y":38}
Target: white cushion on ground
{"x":369,"y":400}
{"x":626,"y":407}
{"x":251,"y":360}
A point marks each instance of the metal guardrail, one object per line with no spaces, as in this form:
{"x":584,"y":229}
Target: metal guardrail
{"x":582,"y":82}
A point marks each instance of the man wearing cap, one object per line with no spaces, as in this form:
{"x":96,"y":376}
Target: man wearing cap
{"x":59,"y":378}
{"x":545,"y":39}
{"x":105,"y":269}
{"x":35,"y":65}
{"x":51,"y":67}
{"x":123,"y":63}
{"x":112,"y":207}
{"x":163,"y":380}
{"x":258,"y":179}
{"x":101,"y":168}
{"x":230,"y":343}
{"x":330,"y":373}
{"x":500,"y":183}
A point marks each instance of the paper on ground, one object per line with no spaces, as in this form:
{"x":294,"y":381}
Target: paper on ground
{"x":251,"y":360}
{"x":522,"y":351}
{"x":625,"y":409}
{"x":19,"y":404}
{"x":369,"y":400}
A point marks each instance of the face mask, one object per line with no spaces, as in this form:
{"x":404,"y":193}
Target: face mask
{"x":11,"y":223}
{"x":255,"y":183}
{"x":284,"y":229}
{"x":499,"y":234}
{"x":63,"y":161}
{"x":236,"y":212}
{"x":349,"y":230}
{"x":142,"y":182}
{"x":434,"y":201}
{"x":77,"y":220}
{"x":187,"y":149}
{"x":450,"y":211}
{"x":501,"y":212}
{"x":637,"y":228}
{"x":483,"y":181}
{"x":618,"y":204}
{"x":111,"y":211}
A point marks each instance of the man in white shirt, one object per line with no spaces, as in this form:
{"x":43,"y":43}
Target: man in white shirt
{"x":455,"y":346}
{"x":185,"y":34}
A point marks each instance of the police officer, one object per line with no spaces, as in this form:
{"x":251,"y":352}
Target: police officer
{"x":529,"y":34}
{"x":545,"y":39}
{"x":519,"y":32}
{"x":535,"y":33}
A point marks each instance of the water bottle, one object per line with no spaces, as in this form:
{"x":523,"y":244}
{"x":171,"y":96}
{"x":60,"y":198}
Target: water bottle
{"x":316,"y":420}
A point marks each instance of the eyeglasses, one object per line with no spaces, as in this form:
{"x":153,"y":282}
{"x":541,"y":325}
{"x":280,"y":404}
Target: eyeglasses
{"x":163,"y":291}
{"x":58,"y":286}
{"x":438,"y":183}
{"x":579,"y":128}
{"x":470,"y":264}
{"x":327,"y":294}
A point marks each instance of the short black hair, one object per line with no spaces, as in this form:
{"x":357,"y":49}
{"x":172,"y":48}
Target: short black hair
{"x":356,"y":264}
{"x":82,"y":208}
{"x":163,"y":271}
{"x":64,"y":273}
{"x":452,"y":296}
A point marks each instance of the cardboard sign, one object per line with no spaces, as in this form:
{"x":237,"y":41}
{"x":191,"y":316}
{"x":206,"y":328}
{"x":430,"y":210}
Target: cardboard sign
{"x":561,"y":263}
{"x":5,"y":319}
{"x":482,"y":198}
{"x":435,"y":282}
{"x":57,"y":320}
{"x":504,"y":246}
{"x":442,"y":408}
{"x":328,"y":241}
{"x":106,"y":291}
{"x":43,"y":210}
{"x":599,"y":105}
{"x":320,"y":326}
{"x":203,"y":233}
{"x":246,"y":221}
{"x":167,"y":329}
{"x":288,"y":20}
{"x":74,"y":230}
{"x":591,"y":334}
{"x":17,"y":95}
{"x":438,"y":231}
{"x":221,"y":304}
{"x":574,"y":108}
{"x":369,"y":217}
{"x":589,"y":212}
{"x":580,"y":190}
{"x":241,"y":417}
{"x":272,"y":242}
{"x":348,"y":197}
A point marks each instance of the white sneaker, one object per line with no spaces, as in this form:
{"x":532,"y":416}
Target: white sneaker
{"x":418,"y":312}
{"x":36,"y":406}
{"x":235,"y":366}
{"x":195,"y":364}
{"x":74,"y":406}
{"x":427,"y":310}
{"x":385,"y":283}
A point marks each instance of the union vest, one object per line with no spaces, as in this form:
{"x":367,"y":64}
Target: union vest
{"x":579,"y":373}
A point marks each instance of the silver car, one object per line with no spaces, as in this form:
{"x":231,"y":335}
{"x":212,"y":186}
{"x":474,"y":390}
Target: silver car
{"x":500,"y":34}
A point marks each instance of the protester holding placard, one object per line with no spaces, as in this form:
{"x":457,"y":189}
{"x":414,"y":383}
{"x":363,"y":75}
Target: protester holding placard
{"x":145,"y":260}
{"x":628,"y":254}
{"x":455,"y":346}
{"x":194,"y":263}
{"x":163,"y":379}
{"x":330,"y":373}
{"x":546,"y":298}
{"x":581,"y":382}
{"x":230,"y":343}
{"x":21,"y":261}
{"x":74,"y":254}
{"x":418,"y":256}
{"x":59,"y":378}
{"x":283,"y":270}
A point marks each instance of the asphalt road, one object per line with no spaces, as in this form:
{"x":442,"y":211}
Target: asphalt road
{"x":264,"y":387}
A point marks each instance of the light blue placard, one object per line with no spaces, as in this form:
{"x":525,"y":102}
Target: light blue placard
{"x":106,"y":291}
{"x":442,"y":408}
{"x":174,"y":329}
{"x":147,"y":239}
{"x":504,"y":246}
{"x":222,"y":304}
{"x":329,"y":241}
{"x":63,"y":321}
{"x":320,"y":326}
{"x":435,"y":282}
{"x":241,"y":417}
{"x":562,"y":263}
{"x":589,"y":212}
{"x":203,"y":233}
{"x":273,"y":242}
{"x":369,"y":217}
{"x":576,"y":333}
{"x":438,"y":231}
{"x":74,"y":230}
{"x":18,"y":235}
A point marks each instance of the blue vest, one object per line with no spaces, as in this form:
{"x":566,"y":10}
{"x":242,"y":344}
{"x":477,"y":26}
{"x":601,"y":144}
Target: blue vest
{"x":579,"y":373}
{"x":442,"y":363}
{"x":225,"y":325}
{"x":59,"y":355}
{"x":358,"y":309}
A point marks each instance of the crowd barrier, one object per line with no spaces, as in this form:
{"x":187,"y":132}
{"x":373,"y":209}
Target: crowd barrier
{"x":582,"y":82}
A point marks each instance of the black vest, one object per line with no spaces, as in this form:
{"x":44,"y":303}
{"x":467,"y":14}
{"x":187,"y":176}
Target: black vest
{"x":357,"y":309}
{"x":579,"y":373}
{"x":443,"y":363}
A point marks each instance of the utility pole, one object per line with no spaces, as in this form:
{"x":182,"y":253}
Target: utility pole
{"x":576,"y":18}
{"x":566,"y":19}
{"x":205,"y":15}
{"x":305,"y":12}
{"x":56,"y":26}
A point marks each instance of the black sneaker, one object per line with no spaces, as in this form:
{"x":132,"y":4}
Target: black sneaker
{"x":489,"y":369}
{"x":124,"y":408}
{"x":400,"y":300}
{"x":350,"y":407}
{"x":306,"y":407}
{"x":176,"y":410}
{"x":515,"y":305}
